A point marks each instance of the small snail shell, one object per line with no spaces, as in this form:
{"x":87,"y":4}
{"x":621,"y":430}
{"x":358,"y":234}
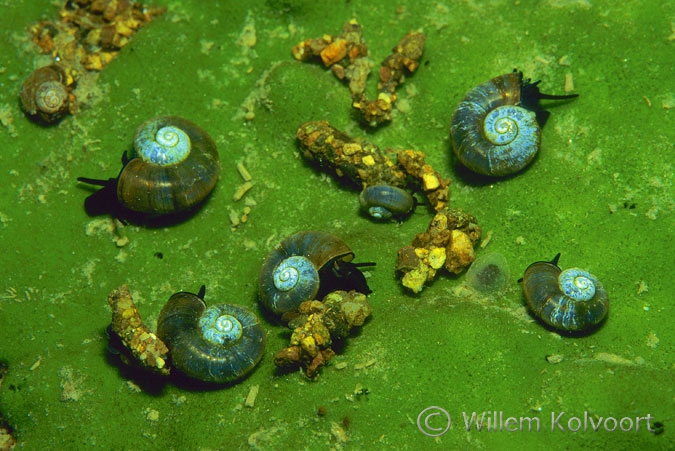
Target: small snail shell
{"x":45,"y":95}
{"x":218,"y":344}
{"x":569,"y":300}
{"x":496,"y":129}
{"x":385,"y":202}
{"x":290,"y":273}
{"x":173,"y":168}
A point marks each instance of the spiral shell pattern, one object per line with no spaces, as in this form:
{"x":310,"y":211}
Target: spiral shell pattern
{"x":290,"y":272}
{"x":492,"y":134}
{"x":570,"y":300}
{"x":161,"y":146}
{"x":218,"y":344}
{"x":173,"y":168}
{"x":45,"y":95}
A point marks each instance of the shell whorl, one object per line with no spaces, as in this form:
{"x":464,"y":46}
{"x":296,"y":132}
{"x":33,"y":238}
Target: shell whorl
{"x":491,"y":133}
{"x":175,"y":166}
{"x":218,"y":326}
{"x":51,"y":96}
{"x":570,"y":300}
{"x":577,"y":284}
{"x":290,"y":272}
{"x":45,"y":95}
{"x":164,"y":146}
{"x":218,"y":344}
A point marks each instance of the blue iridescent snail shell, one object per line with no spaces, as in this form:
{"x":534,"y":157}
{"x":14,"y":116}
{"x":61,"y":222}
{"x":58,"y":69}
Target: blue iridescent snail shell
{"x":290,"y":273}
{"x":496,"y":128}
{"x":217,"y":344}
{"x":174,"y":166}
{"x":570,"y":300}
{"x":383,"y":202}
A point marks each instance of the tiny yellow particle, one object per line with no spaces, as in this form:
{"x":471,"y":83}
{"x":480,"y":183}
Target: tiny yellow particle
{"x":368,"y":160}
{"x":430,"y":182}
{"x":351,"y":148}
{"x":437,"y":257}
{"x":242,"y":190}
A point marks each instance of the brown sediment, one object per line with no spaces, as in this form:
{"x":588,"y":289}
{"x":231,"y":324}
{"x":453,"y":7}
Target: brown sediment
{"x":348,"y":58}
{"x":360,"y":163}
{"x":146,"y":348}
{"x":317,"y":324}
{"x":448,"y":243}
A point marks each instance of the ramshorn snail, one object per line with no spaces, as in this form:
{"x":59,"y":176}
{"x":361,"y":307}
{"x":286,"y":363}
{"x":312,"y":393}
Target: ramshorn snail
{"x":174,"y":166}
{"x":217,"y":344}
{"x":306,"y":266}
{"x":496,"y":129}
{"x":570,"y":300}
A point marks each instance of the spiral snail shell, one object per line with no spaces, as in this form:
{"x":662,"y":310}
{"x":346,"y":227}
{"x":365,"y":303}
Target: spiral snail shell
{"x":570,"y":300}
{"x":496,"y":128}
{"x":306,"y":266}
{"x":46,"y":95}
{"x":174,"y":166}
{"x":383,"y":202}
{"x":217,"y":344}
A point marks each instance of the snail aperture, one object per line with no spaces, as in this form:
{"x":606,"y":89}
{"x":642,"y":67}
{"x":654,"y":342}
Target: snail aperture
{"x":496,"y":128}
{"x":569,"y":300}
{"x":173,"y":168}
{"x":218,"y":344}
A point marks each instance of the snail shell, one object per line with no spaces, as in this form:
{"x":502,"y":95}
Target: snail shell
{"x":569,"y":300}
{"x":290,"y":273}
{"x":174,"y":166}
{"x":385,"y":201}
{"x":45,"y":95}
{"x":217,"y":344}
{"x":496,"y":129}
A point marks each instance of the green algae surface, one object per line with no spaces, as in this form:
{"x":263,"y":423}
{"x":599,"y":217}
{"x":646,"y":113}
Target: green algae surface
{"x":600,"y":192}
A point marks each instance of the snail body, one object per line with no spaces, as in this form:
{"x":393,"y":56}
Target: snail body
{"x":496,"y":128}
{"x":570,"y":300}
{"x":304,"y":266}
{"x":46,"y":94}
{"x":383,"y":202}
{"x":174,"y":166}
{"x":218,"y":344}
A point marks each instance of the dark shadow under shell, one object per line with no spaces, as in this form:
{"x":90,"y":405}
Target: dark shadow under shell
{"x":193,"y":355}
